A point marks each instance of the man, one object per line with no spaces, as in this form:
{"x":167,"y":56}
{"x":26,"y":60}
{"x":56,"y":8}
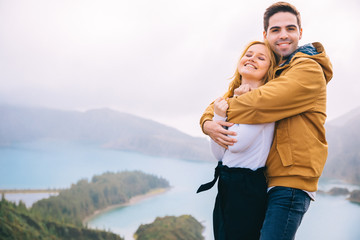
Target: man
{"x":296,"y":101}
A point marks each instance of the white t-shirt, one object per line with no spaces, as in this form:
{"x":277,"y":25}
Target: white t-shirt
{"x":251,"y":149}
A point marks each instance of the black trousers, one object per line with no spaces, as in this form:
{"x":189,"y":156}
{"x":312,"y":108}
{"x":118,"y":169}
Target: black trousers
{"x":240,"y":203}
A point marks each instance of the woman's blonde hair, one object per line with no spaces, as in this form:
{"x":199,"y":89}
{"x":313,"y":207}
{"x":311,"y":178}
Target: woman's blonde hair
{"x":236,"y":78}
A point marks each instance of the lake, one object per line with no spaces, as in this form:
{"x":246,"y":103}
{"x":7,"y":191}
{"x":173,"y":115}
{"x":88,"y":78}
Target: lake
{"x":53,"y":164}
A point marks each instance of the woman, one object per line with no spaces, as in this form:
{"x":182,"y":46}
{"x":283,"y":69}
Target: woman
{"x":241,"y":200}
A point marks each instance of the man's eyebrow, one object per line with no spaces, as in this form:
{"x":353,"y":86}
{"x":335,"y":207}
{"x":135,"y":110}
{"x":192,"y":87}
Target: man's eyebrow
{"x":274,"y":27}
{"x":291,"y":25}
{"x":287,"y":26}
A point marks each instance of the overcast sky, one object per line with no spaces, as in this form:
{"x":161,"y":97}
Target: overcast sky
{"x":160,"y":59}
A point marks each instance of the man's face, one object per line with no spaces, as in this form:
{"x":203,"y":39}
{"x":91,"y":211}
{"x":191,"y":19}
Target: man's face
{"x":283,"y":33}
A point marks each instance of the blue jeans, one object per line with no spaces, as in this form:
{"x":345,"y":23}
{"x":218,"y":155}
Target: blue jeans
{"x":285,"y":210}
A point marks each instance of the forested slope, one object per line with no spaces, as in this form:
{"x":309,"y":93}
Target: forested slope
{"x":84,"y":198}
{"x":17,"y":223}
{"x":184,"y":227}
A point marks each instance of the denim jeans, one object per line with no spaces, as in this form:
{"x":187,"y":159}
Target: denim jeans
{"x":285,"y":210}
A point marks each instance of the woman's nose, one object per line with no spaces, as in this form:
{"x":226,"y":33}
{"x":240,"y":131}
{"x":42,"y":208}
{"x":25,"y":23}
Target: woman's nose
{"x":252,"y":58}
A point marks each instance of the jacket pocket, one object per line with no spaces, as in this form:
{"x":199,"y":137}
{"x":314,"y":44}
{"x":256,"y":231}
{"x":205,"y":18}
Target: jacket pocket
{"x":283,"y":147}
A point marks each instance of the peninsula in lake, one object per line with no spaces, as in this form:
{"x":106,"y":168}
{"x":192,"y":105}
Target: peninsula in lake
{"x":62,"y":216}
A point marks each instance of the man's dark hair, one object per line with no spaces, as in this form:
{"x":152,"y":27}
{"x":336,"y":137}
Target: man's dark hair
{"x":280,"y":7}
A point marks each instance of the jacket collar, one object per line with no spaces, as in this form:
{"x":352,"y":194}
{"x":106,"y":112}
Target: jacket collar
{"x":308,"y":49}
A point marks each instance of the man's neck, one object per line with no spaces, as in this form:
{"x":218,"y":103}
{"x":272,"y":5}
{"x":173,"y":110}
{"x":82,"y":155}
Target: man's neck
{"x":283,"y":60}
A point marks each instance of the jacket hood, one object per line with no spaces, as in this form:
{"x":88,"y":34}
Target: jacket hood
{"x":316,"y":52}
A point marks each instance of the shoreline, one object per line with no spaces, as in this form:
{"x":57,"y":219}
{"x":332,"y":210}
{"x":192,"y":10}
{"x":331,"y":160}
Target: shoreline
{"x":132,"y":201}
{"x":28,"y":191}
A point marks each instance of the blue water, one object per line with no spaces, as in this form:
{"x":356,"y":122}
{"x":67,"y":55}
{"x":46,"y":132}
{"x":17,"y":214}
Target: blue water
{"x":54,"y":164}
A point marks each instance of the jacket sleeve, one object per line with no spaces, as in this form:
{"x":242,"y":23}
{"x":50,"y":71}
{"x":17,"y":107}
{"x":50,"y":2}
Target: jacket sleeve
{"x":293,"y":93}
{"x":207,"y":115}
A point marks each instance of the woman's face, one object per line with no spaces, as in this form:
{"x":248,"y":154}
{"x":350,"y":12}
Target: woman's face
{"x":255,"y":63}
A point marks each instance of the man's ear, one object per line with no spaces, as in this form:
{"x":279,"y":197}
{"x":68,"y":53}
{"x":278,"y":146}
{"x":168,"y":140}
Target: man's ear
{"x":300,"y":34}
{"x":264,"y":34}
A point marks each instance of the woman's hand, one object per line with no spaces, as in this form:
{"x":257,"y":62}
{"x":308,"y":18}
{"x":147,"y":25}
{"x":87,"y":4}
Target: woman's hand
{"x":244,"y":88}
{"x":220,"y":107}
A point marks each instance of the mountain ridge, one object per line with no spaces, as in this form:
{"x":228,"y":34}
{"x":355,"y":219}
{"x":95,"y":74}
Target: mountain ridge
{"x":343,"y":136}
{"x":105,"y":127}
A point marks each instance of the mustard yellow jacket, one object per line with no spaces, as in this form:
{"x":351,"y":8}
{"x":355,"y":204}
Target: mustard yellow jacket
{"x":296,"y":101}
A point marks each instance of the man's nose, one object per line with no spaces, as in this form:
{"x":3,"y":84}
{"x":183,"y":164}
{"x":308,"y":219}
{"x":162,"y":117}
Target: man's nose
{"x":283,"y":34}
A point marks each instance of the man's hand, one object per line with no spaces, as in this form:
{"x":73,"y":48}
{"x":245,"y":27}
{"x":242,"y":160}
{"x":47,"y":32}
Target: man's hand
{"x":217,"y":133}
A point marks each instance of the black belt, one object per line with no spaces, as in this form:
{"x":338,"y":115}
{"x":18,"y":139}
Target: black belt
{"x":219,"y":168}
{"x":209,"y":185}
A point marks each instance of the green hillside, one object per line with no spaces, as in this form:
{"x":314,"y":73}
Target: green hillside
{"x":60,"y":217}
{"x":184,"y":227}
{"x":84,"y":198}
{"x":17,"y":223}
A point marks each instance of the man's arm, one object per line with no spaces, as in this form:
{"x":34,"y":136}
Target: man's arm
{"x":293,"y":93}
